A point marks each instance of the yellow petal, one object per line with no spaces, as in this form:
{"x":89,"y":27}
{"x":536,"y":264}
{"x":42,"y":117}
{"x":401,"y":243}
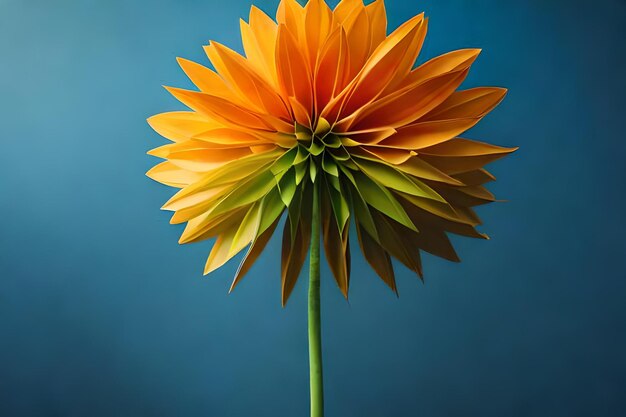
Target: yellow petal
{"x":253,"y":253}
{"x":206,"y":80}
{"x":221,"y":251}
{"x":181,"y":125}
{"x":198,"y":229}
{"x":231,"y":172}
{"x":172,"y":175}
{"x":196,"y":205}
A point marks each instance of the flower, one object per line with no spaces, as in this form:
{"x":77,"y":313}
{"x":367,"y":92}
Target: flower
{"x":324,"y":100}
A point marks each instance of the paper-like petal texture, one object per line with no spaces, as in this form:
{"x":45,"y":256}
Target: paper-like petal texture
{"x":330,"y":96}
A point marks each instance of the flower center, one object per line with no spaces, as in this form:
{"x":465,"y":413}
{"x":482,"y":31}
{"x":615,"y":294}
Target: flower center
{"x":322,"y":145}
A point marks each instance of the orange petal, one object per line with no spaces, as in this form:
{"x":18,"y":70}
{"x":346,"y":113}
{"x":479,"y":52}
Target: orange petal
{"x":234,"y":68}
{"x":293,"y":71}
{"x":203,"y":160}
{"x":452,"y":61}
{"x":461,"y":155}
{"x":291,"y":14}
{"x":367,"y":137}
{"x":433,"y":220}
{"x":395,"y":239}
{"x":332,"y":68}
{"x":357,"y":29}
{"x":407,"y":105}
{"x":476,"y":177}
{"x":408,"y":60}
{"x":293,"y":255}
{"x":317,"y":25}
{"x":377,"y":257}
{"x":465,"y":147}
{"x":437,"y":243}
{"x":219,"y":109}
{"x":259,"y":43}
{"x":344,"y":9}
{"x":475,"y":102}
{"x":424,"y":134}
{"x":230,"y":137}
{"x":378,"y":23}
{"x":383,"y":64}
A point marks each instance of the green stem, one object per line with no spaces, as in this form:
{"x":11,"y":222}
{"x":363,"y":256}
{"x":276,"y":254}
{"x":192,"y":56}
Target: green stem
{"x":315,"y":331}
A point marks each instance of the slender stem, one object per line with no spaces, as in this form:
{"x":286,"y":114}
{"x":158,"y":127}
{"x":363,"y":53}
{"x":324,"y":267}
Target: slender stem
{"x":315,"y":331}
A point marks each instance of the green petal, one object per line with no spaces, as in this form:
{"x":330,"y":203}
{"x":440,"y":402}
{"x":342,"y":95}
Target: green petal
{"x":390,"y":177}
{"x":382,"y":200}
{"x":287,"y":186}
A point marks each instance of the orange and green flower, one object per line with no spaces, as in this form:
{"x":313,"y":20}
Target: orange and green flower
{"x":326,"y":96}
{"x":326,"y":118}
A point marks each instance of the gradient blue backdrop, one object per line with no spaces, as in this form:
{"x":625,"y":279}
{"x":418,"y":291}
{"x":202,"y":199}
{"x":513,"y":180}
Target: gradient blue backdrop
{"x":103,"y":314}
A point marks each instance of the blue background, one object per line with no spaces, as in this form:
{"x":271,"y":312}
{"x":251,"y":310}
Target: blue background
{"x":102,"y":313}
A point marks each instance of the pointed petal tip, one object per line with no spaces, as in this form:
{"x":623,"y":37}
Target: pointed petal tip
{"x":170,"y":89}
{"x":154,"y":152}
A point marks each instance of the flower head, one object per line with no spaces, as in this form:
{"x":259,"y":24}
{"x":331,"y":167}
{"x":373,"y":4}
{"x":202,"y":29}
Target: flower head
{"x":325,"y":96}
